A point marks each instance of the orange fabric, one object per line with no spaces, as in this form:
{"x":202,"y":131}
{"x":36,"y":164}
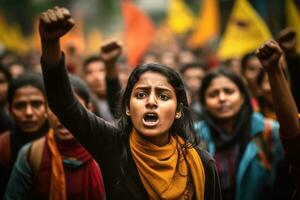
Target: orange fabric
{"x":139,"y":32}
{"x":58,"y":180}
{"x":164,"y":171}
{"x":5,"y":150}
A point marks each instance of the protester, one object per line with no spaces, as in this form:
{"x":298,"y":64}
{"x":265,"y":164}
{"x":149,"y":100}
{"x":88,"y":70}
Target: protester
{"x":250,"y":69}
{"x":287,"y":40}
{"x":27,"y":106}
{"x":192,"y":74}
{"x":286,"y":110}
{"x":58,"y":156}
{"x":151,"y":154}
{"x":246,"y":146}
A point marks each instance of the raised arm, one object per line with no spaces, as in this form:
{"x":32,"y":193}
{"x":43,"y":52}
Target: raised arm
{"x":93,"y":133}
{"x":269,"y":55}
{"x":287,"y":39}
{"x":110,"y":52}
{"x":54,"y":23}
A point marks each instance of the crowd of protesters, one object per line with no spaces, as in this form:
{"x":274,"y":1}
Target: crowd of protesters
{"x":181,"y":125}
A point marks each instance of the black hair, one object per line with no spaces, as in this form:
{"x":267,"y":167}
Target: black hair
{"x":27,"y":79}
{"x":235,"y":78}
{"x":198,"y":65}
{"x":6,"y":73}
{"x":182,"y":127}
{"x":89,"y":60}
{"x":80,"y":88}
{"x":242,"y":119}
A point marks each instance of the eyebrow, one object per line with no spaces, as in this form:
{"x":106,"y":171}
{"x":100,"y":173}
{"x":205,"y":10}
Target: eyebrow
{"x":160,"y":89}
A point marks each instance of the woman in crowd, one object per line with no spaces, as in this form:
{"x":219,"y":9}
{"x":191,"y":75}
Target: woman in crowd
{"x":152,"y":153}
{"x":57,"y":166}
{"x":246,"y":147}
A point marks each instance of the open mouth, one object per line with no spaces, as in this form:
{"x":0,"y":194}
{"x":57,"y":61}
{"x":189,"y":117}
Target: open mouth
{"x":150,"y":119}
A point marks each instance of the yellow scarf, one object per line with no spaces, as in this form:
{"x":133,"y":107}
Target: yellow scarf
{"x":163,"y":170}
{"x":58,"y":181}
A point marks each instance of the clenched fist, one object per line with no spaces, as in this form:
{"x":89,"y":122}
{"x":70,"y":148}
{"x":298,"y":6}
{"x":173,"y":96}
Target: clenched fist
{"x":111,"y":51}
{"x":54,"y":23}
{"x":287,"y":40}
{"x":269,"y":54}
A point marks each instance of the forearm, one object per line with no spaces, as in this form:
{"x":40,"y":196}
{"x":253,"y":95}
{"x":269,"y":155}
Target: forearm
{"x":111,"y":70}
{"x":51,"y":52}
{"x":284,"y":104}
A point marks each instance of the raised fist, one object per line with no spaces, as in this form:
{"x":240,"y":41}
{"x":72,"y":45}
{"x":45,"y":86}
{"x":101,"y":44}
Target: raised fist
{"x":111,"y":51}
{"x":54,"y":23}
{"x":269,"y":54}
{"x":287,"y":41}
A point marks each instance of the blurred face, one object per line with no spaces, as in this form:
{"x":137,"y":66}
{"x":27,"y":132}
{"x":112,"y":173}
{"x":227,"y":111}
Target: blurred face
{"x":152,"y":107}
{"x":95,"y":77}
{"x":3,"y":88}
{"x":252,"y":69}
{"x":193,"y":78}
{"x":29,"y":109}
{"x":60,"y":131}
{"x":16,"y":70}
{"x":223,"y":98}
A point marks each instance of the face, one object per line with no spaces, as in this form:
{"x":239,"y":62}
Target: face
{"x":3,"y":88}
{"x":95,"y":77}
{"x":152,"y":107}
{"x":193,"y":78}
{"x":223,"y":98}
{"x":16,"y":70}
{"x":252,"y":69}
{"x":60,"y":131}
{"x":29,"y":109}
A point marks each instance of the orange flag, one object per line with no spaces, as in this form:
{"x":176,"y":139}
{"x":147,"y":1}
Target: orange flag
{"x":207,"y":25}
{"x":139,"y":32}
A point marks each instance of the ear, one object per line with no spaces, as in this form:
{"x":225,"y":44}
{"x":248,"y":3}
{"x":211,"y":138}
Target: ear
{"x":178,"y":115}
{"x":127,"y":111}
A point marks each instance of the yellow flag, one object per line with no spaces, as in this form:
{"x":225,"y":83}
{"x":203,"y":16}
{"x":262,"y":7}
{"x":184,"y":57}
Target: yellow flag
{"x":206,"y":26}
{"x":245,"y":31}
{"x":180,"y":18}
{"x":293,"y":19}
{"x":11,"y":37}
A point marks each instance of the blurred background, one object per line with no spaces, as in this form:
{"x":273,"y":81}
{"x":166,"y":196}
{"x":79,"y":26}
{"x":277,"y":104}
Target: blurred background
{"x":193,"y":24}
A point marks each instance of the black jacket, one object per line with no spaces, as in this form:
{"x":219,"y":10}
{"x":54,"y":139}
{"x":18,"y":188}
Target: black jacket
{"x":102,"y":140}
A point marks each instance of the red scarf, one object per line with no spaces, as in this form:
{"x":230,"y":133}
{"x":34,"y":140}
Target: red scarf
{"x":82,"y":182}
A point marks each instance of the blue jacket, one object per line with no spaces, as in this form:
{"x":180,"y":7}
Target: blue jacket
{"x":252,"y":177}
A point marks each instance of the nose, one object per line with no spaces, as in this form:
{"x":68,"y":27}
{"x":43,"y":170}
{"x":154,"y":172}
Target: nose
{"x":151,"y":101}
{"x":222,"y":96}
{"x":29,"y":110}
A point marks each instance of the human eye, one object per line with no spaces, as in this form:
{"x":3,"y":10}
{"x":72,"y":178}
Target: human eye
{"x":37,"y":104}
{"x":229,"y":91}
{"x":20,"y":105}
{"x":164,"y":97}
{"x":140,"y":95}
{"x":213,"y":94}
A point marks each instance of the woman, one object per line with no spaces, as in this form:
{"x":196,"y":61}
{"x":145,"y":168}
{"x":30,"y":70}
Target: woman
{"x":245,"y":146}
{"x":151,"y":154}
{"x":57,"y":166}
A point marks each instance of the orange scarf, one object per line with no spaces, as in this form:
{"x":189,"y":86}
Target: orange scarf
{"x":164,"y":171}
{"x":58,"y":180}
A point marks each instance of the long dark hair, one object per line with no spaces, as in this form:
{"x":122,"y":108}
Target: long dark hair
{"x":182,"y":127}
{"x":242,"y":119}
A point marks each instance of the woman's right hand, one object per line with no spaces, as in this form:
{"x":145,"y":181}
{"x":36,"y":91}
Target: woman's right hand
{"x":54,"y":23}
